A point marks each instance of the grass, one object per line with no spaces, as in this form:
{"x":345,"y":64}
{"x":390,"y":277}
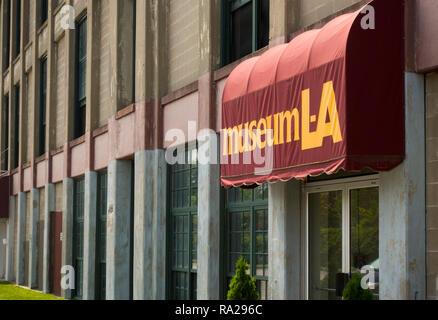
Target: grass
{"x":9,"y":291}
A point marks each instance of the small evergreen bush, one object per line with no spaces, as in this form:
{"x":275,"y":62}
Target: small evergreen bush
{"x":353,"y":290}
{"x":242,"y":286}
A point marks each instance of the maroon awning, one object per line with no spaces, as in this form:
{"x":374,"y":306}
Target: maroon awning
{"x":4,"y":196}
{"x":332,"y":98}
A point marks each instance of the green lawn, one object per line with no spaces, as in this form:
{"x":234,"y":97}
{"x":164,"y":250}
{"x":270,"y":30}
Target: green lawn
{"x":11,"y":292}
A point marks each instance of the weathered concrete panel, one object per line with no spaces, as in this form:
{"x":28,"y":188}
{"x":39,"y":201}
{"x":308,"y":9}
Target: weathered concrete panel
{"x":150,"y":225}
{"x":33,"y":238}
{"x":21,"y":238}
{"x":402,"y":208}
{"x":90,"y":213}
{"x":118,"y":230}
{"x":209,"y":223}
{"x":284,"y":234}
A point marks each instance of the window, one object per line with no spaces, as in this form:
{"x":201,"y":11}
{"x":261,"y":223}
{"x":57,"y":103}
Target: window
{"x":5,"y":152}
{"x":247,"y":234}
{"x":16,"y":126}
{"x":101,"y":235}
{"x":81,"y":77}
{"x":342,"y":233}
{"x":7,"y":42}
{"x":44,"y":11}
{"x":43,"y":106}
{"x":17,"y":42}
{"x":183,"y":230}
{"x":245,"y":28}
{"x":78,"y":236}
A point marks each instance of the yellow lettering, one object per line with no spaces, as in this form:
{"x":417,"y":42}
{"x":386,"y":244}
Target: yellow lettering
{"x":311,"y":140}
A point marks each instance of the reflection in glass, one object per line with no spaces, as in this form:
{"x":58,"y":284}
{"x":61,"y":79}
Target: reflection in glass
{"x":325,"y":240}
{"x":364,"y":230}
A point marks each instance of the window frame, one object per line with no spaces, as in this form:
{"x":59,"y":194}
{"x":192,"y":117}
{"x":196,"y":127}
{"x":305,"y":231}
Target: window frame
{"x":5,"y":153}
{"x":252,"y":206}
{"x":227,"y":8}
{"x":101,"y":224}
{"x":190,"y":211}
{"x":17,"y":18}
{"x":16,"y":159}
{"x":42,"y":126}
{"x":76,"y":257}
{"x":44,"y":11}
{"x":7,"y":43}
{"x":344,"y":185}
{"x":80,"y":103}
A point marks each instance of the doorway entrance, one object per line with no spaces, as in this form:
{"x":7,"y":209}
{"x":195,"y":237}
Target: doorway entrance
{"x":342,"y":220}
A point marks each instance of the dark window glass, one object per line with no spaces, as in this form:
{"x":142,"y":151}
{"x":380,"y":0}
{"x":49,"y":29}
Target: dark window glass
{"x":7,"y":41}
{"x":5,"y":154}
{"x":44,"y":10}
{"x":43,"y":105}
{"x":78,"y":236}
{"x":247,"y":234}
{"x":245,"y":28}
{"x":183,"y":230}
{"x":18,"y":28}
{"x":241,"y":26}
{"x":16,"y":125}
{"x":101,"y":236}
{"x":81,"y":74}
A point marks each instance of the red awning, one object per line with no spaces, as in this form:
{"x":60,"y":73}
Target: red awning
{"x":332,"y":98}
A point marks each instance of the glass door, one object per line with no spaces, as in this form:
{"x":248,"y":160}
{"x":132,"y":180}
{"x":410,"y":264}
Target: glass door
{"x":325,"y":241}
{"x":342,"y":234}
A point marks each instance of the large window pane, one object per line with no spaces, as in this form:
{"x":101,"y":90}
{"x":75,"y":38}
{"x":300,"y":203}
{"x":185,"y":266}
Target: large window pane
{"x":325,"y":240}
{"x":364,"y":229}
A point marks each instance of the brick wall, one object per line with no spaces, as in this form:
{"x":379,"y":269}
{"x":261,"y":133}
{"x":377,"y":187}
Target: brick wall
{"x":432,"y":183}
{"x":183,"y":43}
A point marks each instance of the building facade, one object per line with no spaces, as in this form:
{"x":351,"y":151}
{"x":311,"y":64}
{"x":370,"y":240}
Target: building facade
{"x":90,"y":115}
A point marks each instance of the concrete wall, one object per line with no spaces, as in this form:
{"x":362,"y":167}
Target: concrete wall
{"x":432,"y":184}
{"x":40,"y":241}
{"x":60,"y":91}
{"x":104,"y":62}
{"x":3,"y":228}
{"x":183,"y":43}
{"x":312,"y":11}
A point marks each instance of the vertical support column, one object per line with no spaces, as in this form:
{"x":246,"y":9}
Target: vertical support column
{"x":121,"y":54}
{"x":10,"y":276}
{"x":50,"y":203}
{"x":67,"y":227}
{"x":209,"y":221}
{"x":402,"y":218}
{"x":90,"y":213}
{"x":150,"y":225}
{"x":118,"y":230}
{"x":50,"y":143}
{"x":33,"y":238}
{"x":284,"y":19}
{"x":69,"y":81}
{"x":284,"y":234}
{"x":21,"y":237}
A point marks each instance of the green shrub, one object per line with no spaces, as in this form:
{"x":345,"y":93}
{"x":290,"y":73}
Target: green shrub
{"x":353,"y":290}
{"x":242,"y":286}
